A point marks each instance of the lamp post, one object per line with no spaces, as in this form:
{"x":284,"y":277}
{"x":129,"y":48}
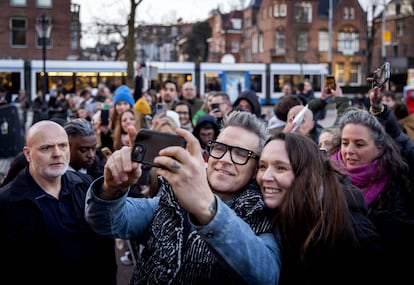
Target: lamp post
{"x":383,"y":31}
{"x":330,"y":41}
{"x":43,"y":30}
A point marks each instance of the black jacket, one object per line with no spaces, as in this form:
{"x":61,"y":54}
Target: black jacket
{"x":26,"y":249}
{"x":345,"y":263}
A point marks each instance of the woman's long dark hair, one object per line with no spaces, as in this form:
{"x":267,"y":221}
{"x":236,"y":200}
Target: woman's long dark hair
{"x":314,"y":211}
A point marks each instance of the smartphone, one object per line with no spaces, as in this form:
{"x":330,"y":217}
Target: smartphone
{"x":330,"y":83}
{"x":381,"y":76}
{"x":161,"y":108}
{"x":215,"y":106}
{"x":105,"y":115}
{"x":148,"y":144}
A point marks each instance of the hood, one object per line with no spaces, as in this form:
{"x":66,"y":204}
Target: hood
{"x":250,"y":96}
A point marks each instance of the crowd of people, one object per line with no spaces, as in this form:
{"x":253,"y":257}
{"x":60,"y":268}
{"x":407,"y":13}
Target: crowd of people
{"x":252,"y":199}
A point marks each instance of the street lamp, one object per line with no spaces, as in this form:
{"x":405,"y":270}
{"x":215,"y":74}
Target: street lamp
{"x":330,"y":40}
{"x":43,"y":30}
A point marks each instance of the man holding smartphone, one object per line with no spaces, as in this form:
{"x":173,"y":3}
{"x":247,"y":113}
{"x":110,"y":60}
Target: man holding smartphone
{"x":192,"y":229}
{"x":220,"y":106}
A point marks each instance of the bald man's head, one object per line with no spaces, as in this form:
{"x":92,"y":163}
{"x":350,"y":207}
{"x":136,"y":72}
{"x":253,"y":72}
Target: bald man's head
{"x":307,"y":123}
{"x":47,"y":150}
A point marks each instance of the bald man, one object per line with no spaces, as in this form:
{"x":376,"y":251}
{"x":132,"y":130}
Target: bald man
{"x":42,"y":220}
{"x":307,"y":127}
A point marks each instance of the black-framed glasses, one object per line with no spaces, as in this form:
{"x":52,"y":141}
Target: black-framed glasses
{"x":238,"y":155}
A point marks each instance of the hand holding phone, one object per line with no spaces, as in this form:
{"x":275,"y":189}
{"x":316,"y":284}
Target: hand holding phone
{"x":161,"y":108}
{"x":330,"y":83}
{"x":381,"y":76}
{"x":148,"y":144}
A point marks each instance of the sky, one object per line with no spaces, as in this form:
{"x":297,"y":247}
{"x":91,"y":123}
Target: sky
{"x":154,"y":12}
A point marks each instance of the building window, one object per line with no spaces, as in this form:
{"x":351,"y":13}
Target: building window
{"x":355,"y":74}
{"x":280,"y":42}
{"x":235,"y":46}
{"x":279,"y":10}
{"x":302,"y":41}
{"x":352,"y":13}
{"x":303,"y":13}
{"x":323,"y":41}
{"x":399,"y":27}
{"x":18,"y":28}
{"x":44,"y":3}
{"x":348,"y":41}
{"x":74,"y":35}
{"x":349,"y":13}
{"x":340,"y":72}
{"x":276,"y":10}
{"x":18,"y":2}
{"x":261,"y":43}
{"x":237,"y":24}
{"x":282,"y":10}
{"x":255,"y":44}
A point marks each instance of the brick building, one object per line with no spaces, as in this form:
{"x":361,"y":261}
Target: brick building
{"x":398,"y":46}
{"x":18,"y":29}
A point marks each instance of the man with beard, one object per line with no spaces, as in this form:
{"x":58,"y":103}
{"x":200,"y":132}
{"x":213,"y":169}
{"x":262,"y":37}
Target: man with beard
{"x":169,"y":93}
{"x":83,"y":155}
{"x":42,"y":219}
{"x":208,"y":225}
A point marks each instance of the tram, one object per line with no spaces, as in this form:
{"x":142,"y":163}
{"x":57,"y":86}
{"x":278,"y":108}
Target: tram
{"x":71,"y":76}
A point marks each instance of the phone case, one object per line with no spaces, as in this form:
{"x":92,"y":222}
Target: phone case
{"x":148,"y":144}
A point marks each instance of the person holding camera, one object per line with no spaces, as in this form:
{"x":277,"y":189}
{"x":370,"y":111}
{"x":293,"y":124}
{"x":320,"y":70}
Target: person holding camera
{"x":208,"y":226}
{"x":220,"y":106}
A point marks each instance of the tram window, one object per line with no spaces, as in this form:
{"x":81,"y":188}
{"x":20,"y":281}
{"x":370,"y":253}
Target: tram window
{"x":212,"y":83}
{"x":180,"y":78}
{"x":10,"y":80}
{"x":256,"y":83}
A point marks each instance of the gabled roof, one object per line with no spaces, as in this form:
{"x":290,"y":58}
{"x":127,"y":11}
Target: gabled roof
{"x":226,"y":19}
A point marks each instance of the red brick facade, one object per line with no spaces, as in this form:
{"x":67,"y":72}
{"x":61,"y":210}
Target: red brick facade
{"x":65,"y":19}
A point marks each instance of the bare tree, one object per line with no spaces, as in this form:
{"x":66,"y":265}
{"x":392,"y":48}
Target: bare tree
{"x":130,"y":42}
{"x":125,"y":33}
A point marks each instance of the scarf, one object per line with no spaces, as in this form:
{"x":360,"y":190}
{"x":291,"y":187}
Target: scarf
{"x":368,"y":177}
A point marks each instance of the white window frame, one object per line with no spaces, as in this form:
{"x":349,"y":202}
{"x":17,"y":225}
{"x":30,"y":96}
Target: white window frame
{"x":302,"y":41}
{"x":44,"y":3}
{"x":355,"y":74}
{"x":303,"y":13}
{"x":235,"y":46}
{"x":323,"y":39}
{"x":283,"y":10}
{"x":18,"y":3}
{"x":276,"y":10}
{"x":280,"y":42}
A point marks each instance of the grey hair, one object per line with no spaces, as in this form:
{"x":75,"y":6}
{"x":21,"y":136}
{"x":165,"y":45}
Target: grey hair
{"x":364,"y":118}
{"x":80,"y":127}
{"x":249,"y":122}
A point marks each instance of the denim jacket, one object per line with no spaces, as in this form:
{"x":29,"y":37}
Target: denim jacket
{"x":254,"y":258}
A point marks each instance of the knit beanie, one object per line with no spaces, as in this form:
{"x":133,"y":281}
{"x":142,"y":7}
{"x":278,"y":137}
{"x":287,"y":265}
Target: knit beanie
{"x":122,"y":93}
{"x":142,"y":106}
